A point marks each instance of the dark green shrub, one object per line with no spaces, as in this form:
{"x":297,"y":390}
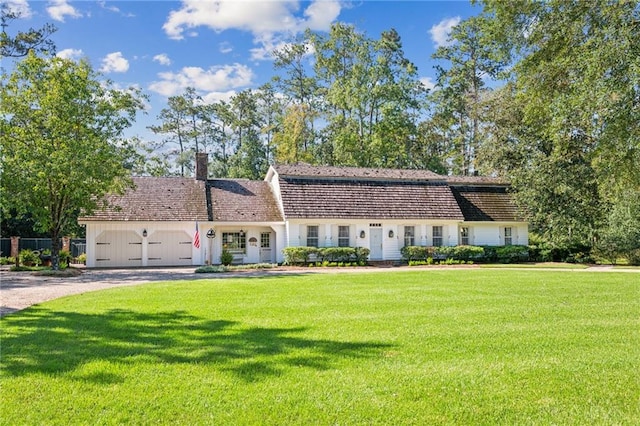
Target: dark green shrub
{"x":362,"y":255}
{"x":226,"y":257}
{"x":490,"y":254}
{"x":634,"y":257}
{"x":512,"y":254}
{"x":474,"y":253}
{"x":467,"y":253}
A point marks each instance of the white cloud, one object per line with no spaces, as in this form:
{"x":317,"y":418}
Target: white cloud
{"x":162,"y":59}
{"x":215,"y":79}
{"x":321,"y":14}
{"x":440,"y":31}
{"x":225,"y":47}
{"x":70,"y":54}
{"x":215,"y":97}
{"x":266,"y":48}
{"x":19,"y":7}
{"x":268,"y":21}
{"x":115,"y":9}
{"x":58,"y":9}
{"x":427,"y":82}
{"x":114,"y":62}
{"x":103,"y":4}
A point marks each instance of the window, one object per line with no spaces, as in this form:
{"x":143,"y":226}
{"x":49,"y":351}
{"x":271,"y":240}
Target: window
{"x":409,"y":236}
{"x":437,"y":236}
{"x":235,"y":242}
{"x":265,"y":240}
{"x":464,"y":236}
{"x":312,"y":236}
{"x":508,"y":238}
{"x":343,"y":236}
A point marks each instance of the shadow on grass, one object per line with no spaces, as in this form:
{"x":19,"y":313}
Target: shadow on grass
{"x":50,"y":342}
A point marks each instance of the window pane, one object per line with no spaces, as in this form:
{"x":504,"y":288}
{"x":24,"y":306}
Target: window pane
{"x":343,"y":236}
{"x":234,"y":242}
{"x":312,"y":236}
{"x":508,"y":239}
{"x":464,"y":236}
{"x":437,"y":236}
{"x":409,"y":236}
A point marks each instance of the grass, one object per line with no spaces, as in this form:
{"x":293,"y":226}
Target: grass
{"x":418,"y":347}
{"x":536,"y":265}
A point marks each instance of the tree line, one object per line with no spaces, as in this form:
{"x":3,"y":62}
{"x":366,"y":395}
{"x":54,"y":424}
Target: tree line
{"x":543,"y":94}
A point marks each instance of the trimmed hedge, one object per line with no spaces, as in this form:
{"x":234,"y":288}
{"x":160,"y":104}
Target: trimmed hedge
{"x":304,"y":255}
{"x":501,"y":254}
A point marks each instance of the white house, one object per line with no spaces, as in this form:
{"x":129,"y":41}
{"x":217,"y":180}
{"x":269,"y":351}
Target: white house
{"x":298,"y":205}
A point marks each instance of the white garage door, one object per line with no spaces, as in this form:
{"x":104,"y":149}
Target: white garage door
{"x":169,"y":248}
{"x":118,"y":248}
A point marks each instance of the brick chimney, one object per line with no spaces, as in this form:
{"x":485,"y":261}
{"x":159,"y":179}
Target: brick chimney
{"x":202,"y":165}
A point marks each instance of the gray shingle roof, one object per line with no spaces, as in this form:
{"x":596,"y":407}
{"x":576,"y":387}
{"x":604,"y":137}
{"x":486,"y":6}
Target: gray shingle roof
{"x":485,"y":203}
{"x":243,"y":200}
{"x":344,"y":199}
{"x":360,"y":173}
{"x":157,"y":199}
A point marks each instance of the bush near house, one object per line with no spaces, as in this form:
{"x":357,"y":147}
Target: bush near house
{"x":500,"y":254}
{"x":542,"y":251}
{"x":328,"y":255}
{"x":226,"y":257}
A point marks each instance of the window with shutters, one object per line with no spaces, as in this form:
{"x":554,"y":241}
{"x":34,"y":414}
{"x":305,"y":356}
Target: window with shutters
{"x":437,"y":236}
{"x":312,"y":236}
{"x":409,"y":236}
{"x":343,"y":236}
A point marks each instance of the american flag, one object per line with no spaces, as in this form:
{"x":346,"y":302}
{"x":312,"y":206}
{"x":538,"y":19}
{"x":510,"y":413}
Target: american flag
{"x":196,"y":238}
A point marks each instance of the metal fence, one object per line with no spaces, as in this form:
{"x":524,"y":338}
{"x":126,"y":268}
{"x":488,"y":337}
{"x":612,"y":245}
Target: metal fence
{"x":77,"y":245}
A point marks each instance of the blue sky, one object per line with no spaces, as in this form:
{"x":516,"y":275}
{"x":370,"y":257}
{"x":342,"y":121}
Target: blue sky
{"x":220,"y":48}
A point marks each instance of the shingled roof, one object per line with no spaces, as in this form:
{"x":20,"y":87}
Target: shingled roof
{"x":157,"y":199}
{"x":361,"y":193}
{"x":329,"y":198}
{"x":485,"y":203}
{"x":243,"y":200}
{"x":359,"y":173}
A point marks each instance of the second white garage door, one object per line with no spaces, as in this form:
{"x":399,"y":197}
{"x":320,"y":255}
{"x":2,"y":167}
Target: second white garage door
{"x":169,"y":248}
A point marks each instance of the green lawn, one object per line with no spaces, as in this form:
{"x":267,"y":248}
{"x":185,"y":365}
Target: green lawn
{"x":419,"y":347}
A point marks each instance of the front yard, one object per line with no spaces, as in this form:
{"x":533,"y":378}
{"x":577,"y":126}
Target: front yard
{"x":468,"y":346}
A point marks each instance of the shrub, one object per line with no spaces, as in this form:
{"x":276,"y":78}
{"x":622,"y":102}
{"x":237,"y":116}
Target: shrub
{"x":211,"y":269}
{"x":64,"y":256}
{"x":29,"y":257}
{"x":325,"y":256}
{"x":634,"y":257}
{"x":82,"y":258}
{"x":7,"y":260}
{"x":410,"y":253}
{"x":337,"y":254}
{"x":361,"y":254}
{"x":467,"y":253}
{"x":512,"y":254}
{"x":226,"y":257}
{"x":298,"y":255}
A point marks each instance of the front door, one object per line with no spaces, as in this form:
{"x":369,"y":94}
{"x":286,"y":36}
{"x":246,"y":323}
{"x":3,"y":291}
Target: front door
{"x":375,"y":243}
{"x":265,"y":247}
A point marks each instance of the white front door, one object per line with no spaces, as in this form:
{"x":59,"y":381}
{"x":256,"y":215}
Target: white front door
{"x":265,"y":247}
{"x":375,"y":243}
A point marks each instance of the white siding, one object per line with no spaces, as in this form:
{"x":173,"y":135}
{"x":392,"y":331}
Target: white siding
{"x":98,"y":231}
